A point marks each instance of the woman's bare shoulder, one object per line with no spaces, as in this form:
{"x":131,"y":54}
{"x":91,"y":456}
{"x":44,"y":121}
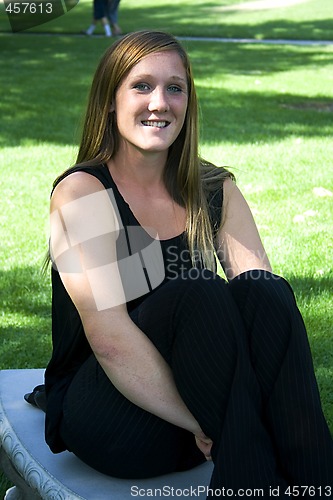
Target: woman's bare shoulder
{"x":73,"y":186}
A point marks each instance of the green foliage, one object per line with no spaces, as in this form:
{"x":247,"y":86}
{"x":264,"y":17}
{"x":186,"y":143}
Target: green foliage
{"x":266,"y":112}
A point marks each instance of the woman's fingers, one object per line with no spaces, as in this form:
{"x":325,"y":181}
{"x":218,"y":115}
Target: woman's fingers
{"x":205,"y":445}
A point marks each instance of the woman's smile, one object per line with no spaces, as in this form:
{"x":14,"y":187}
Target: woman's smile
{"x":154,"y":123}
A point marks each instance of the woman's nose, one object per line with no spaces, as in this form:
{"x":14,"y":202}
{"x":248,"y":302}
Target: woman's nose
{"x":158,"y":101}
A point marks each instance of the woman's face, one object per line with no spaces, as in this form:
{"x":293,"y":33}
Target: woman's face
{"x":151,"y":103}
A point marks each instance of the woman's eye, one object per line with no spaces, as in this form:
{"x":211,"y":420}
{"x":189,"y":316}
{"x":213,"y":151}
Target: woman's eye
{"x":174,"y":89}
{"x":141,"y":86}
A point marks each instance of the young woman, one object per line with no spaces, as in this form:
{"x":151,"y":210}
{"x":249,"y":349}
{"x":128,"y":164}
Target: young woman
{"x":158,"y":363}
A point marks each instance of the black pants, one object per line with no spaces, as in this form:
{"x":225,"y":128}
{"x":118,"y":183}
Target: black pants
{"x":242,"y":364}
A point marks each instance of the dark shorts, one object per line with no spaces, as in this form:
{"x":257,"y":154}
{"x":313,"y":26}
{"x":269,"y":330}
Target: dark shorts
{"x":100,"y":8}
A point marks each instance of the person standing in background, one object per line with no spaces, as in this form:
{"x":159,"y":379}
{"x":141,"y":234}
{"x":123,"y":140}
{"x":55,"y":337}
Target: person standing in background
{"x":100,"y":8}
{"x":112,"y":12}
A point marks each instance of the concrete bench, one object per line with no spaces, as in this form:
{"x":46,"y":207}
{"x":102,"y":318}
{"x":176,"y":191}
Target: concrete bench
{"x":37,"y":473}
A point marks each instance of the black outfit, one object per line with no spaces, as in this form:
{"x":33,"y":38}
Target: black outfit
{"x":241,"y":362}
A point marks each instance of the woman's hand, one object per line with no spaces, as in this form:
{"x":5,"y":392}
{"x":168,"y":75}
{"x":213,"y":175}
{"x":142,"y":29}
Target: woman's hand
{"x":204,"y":444}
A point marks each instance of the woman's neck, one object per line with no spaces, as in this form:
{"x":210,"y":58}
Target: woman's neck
{"x":144,"y":171}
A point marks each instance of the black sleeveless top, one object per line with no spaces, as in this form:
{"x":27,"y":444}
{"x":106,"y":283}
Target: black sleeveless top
{"x":70,"y":346}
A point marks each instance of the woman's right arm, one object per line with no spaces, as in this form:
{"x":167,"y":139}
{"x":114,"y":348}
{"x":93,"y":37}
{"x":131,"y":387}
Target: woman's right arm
{"x":80,"y":209}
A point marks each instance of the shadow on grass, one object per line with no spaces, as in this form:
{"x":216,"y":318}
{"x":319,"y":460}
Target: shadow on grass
{"x":309,"y":286}
{"x":252,"y":117}
{"x":25,"y":329}
{"x":205,"y":20}
{"x":25,"y":290}
{"x":25,"y":346}
{"x":308,"y":290}
{"x":4,"y":484}
{"x":44,"y":91}
{"x":319,"y":326}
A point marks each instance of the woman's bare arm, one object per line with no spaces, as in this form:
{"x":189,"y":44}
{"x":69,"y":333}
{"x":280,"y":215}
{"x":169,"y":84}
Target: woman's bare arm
{"x":128,"y":357}
{"x":239,"y":245}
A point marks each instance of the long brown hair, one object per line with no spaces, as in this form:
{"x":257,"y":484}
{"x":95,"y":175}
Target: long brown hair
{"x":187,"y":177}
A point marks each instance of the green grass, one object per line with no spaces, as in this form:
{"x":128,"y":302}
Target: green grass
{"x":311,"y":19}
{"x":266,"y":111}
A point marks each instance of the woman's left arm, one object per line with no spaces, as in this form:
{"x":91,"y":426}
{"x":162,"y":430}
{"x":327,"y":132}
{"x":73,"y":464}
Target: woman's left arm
{"x":239,"y":246}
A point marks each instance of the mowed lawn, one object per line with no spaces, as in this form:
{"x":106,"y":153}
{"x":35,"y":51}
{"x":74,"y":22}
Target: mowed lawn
{"x":260,"y":19}
{"x":266,"y":112}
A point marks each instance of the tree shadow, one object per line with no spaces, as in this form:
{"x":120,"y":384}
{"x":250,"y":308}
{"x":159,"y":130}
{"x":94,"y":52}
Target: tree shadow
{"x":309,"y":289}
{"x":205,"y":19}
{"x":25,"y":290}
{"x":25,"y":329}
{"x":44,"y":91}
{"x":25,"y":346}
{"x":249,"y":117}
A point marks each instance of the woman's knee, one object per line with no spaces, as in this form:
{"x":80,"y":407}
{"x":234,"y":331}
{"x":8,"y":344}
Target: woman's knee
{"x":263,"y":287}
